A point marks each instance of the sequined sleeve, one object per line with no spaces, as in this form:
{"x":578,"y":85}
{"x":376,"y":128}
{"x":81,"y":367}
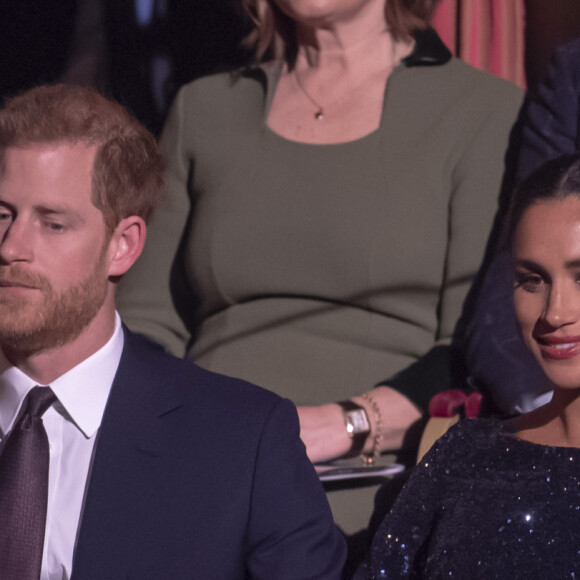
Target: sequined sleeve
{"x":399,"y":548}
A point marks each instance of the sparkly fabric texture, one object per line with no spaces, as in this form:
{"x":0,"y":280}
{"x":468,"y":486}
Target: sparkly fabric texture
{"x":483,"y":504}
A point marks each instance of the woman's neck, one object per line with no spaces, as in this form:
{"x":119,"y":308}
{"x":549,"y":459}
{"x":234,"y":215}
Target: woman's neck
{"x":335,"y":91}
{"x":568,"y":402}
{"x":359,"y":58}
{"x":347,"y":45}
{"x":554,"y":424}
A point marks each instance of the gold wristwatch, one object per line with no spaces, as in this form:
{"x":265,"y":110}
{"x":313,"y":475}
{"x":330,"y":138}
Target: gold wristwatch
{"x":357,"y":426}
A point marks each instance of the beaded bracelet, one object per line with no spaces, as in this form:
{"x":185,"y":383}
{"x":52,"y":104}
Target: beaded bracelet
{"x":372,"y":457}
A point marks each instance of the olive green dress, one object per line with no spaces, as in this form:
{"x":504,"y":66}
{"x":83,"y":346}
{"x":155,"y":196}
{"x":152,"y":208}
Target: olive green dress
{"x":320,"y":271}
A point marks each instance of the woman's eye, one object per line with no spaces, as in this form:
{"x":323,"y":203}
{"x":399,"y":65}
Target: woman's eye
{"x":529,"y":282}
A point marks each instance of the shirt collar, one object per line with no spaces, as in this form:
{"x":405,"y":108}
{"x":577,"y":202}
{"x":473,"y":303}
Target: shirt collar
{"x":429,"y":50}
{"x":82,"y":391}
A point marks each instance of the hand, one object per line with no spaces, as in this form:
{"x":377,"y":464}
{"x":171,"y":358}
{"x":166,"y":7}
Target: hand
{"x":323,"y":431}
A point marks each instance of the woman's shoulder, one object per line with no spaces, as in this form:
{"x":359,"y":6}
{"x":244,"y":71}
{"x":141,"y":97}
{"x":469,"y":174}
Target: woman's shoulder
{"x":475,"y":429}
{"x":227,"y":88}
{"x":470,"y":438}
{"x":469,"y":89}
{"x":217,"y":105}
{"x":432,"y":59}
{"x":483,"y":91}
{"x":482,"y":80}
{"x":466,"y":99}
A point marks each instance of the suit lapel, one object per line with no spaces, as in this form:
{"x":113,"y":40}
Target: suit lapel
{"x":132,"y":440}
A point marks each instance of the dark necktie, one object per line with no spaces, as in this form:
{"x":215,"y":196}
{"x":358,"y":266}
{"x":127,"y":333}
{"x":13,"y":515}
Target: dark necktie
{"x":24,"y":490}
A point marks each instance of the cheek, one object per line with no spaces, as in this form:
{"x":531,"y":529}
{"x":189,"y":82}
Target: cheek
{"x":74,"y":265}
{"x":528,"y":308}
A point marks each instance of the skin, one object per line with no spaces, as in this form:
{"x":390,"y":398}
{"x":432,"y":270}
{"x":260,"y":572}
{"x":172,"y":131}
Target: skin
{"x":546,"y":258}
{"x":327,"y":13}
{"x":345,"y":56}
{"x":324,"y":434}
{"x":51,"y":231}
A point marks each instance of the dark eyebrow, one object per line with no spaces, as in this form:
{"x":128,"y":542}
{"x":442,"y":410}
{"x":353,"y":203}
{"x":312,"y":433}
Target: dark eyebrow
{"x":570,"y":264}
{"x":529,"y":265}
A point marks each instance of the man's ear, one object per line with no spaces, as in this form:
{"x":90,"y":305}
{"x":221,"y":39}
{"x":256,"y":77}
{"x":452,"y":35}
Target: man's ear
{"x":126,"y":244}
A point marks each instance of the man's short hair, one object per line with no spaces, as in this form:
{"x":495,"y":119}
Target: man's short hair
{"x":127,"y":174}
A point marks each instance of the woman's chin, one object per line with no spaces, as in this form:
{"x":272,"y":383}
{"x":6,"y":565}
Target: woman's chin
{"x":562,"y":374}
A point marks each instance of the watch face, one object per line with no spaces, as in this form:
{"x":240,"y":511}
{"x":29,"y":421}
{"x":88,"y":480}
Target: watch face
{"x":357,"y":422}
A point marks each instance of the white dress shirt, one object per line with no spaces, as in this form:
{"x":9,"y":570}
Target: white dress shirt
{"x":71,"y":424}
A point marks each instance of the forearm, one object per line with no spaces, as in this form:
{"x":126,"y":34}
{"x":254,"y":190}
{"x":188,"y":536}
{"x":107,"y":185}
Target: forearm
{"x":396,"y":414}
{"x":323,"y":428}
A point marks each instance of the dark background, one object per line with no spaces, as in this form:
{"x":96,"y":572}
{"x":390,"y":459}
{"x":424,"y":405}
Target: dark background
{"x":99,"y":42}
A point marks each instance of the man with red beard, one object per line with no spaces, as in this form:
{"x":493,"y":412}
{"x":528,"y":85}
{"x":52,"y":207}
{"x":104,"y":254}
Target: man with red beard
{"x":119,"y":461}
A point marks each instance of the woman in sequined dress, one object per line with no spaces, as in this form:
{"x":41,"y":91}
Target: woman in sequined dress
{"x":502,"y":499}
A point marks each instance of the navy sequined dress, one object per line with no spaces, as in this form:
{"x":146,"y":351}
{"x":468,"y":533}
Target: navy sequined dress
{"x":484,"y":504}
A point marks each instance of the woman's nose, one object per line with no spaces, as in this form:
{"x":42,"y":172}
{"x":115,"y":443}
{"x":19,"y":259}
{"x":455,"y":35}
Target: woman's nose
{"x":562,"y":305}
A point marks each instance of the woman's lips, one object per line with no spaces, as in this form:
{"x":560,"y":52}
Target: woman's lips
{"x":559,"y":347}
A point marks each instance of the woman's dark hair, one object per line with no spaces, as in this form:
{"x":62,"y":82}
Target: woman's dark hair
{"x":554,"y":180}
{"x":274,"y":34}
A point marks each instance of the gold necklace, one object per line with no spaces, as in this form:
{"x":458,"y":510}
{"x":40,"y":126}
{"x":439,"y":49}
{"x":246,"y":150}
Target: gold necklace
{"x":319,"y":112}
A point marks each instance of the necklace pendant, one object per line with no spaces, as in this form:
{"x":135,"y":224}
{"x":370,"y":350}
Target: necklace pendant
{"x":319,"y":115}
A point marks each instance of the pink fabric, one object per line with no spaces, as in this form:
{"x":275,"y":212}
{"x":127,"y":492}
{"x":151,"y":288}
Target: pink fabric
{"x":488,"y":34}
{"x":445,"y":23}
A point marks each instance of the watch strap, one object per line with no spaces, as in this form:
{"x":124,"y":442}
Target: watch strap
{"x":357,"y":438}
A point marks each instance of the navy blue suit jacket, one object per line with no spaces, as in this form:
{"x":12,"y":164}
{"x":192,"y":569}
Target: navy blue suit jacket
{"x":196,"y":475}
{"x":496,"y":354}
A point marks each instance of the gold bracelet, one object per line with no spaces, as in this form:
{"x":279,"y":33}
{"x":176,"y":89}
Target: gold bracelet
{"x":372,"y":457}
